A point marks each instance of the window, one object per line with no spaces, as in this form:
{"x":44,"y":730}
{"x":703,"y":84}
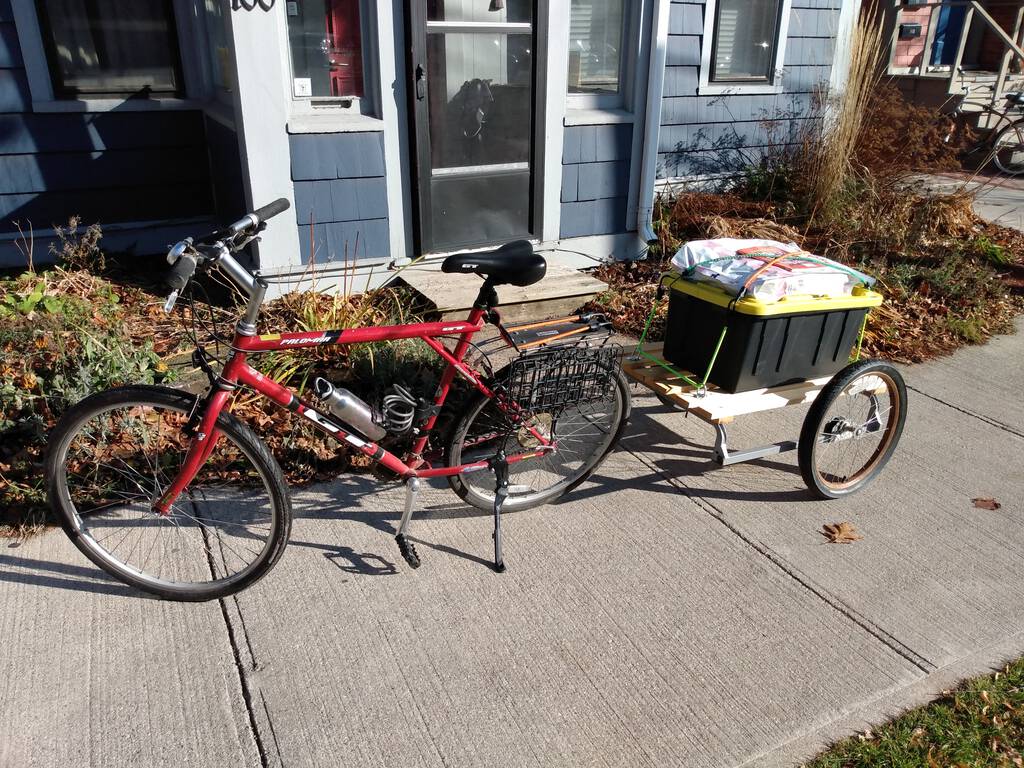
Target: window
{"x":746,"y":32}
{"x":326,"y":48}
{"x":743,"y":47}
{"x":111,"y":47}
{"x":597,"y":32}
{"x":222,"y":65}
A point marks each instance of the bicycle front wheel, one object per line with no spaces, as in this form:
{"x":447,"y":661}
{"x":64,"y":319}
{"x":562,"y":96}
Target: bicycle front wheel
{"x":584,"y":434}
{"x":1008,"y":149}
{"x":114,"y":454}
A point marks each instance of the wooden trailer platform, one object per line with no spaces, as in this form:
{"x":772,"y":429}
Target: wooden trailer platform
{"x":719,"y":408}
{"x":713,"y":406}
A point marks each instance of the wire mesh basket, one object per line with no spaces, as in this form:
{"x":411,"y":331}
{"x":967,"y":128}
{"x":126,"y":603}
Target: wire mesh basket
{"x":557,"y":378}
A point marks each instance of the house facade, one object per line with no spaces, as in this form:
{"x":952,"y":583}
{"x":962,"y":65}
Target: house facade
{"x":396,"y":130}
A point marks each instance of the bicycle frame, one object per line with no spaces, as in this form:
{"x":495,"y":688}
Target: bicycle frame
{"x":237,"y":372}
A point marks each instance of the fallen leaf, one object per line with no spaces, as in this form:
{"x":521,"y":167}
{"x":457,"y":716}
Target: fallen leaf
{"x":840,"y":533}
{"x":986,"y":503}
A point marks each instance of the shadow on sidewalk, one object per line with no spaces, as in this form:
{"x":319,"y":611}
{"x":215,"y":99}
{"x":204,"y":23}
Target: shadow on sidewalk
{"x":63,"y":576}
{"x":347,"y":499}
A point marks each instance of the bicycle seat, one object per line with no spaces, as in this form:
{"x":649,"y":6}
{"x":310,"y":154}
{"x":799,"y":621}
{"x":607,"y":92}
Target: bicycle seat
{"x":1016,"y":98}
{"x":514,"y":263}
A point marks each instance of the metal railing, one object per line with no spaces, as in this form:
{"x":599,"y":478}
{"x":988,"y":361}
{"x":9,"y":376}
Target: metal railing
{"x":1011,"y":42}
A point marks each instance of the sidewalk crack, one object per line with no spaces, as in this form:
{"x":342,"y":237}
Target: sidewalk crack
{"x":836,"y":604}
{"x":988,"y":420}
{"x":243,"y":681}
{"x":236,"y":654}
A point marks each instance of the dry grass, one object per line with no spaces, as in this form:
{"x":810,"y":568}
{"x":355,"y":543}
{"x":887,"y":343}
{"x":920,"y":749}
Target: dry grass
{"x":830,"y":155}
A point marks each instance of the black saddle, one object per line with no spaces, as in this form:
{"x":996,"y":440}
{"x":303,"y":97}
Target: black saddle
{"x":514,"y":263}
{"x":1016,"y":98}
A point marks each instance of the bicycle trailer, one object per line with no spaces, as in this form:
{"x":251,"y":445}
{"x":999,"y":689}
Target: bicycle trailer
{"x":758,"y":330}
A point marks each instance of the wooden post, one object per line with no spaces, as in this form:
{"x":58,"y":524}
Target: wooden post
{"x":1008,"y":56}
{"x":962,"y":45}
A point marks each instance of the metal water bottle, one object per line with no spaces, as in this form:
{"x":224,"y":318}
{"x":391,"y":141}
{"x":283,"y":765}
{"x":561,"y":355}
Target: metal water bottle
{"x":349,"y":409}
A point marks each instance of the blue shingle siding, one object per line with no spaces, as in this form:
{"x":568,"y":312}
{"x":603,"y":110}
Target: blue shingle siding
{"x":10,"y":51}
{"x":225,"y":170}
{"x":595,"y":179}
{"x":720,"y":134}
{"x":106,"y":167}
{"x":341,"y":205}
{"x":136,"y":166}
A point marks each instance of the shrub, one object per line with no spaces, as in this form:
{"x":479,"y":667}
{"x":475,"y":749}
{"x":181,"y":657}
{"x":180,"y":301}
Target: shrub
{"x":62,"y":336}
{"x":899,"y":136}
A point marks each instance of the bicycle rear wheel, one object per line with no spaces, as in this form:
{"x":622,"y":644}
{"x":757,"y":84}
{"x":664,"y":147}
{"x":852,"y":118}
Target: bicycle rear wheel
{"x":584,"y":435}
{"x":112,"y":456}
{"x":1008,"y":149}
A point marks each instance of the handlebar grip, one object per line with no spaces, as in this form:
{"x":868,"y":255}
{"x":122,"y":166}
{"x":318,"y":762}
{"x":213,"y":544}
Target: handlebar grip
{"x":272,"y":209}
{"x":181,"y":272}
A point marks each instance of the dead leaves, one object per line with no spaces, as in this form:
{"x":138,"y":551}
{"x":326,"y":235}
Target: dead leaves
{"x":984,"y":502}
{"x":840,"y":533}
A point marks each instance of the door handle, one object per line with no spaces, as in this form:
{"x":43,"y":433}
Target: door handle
{"x":421,"y":82}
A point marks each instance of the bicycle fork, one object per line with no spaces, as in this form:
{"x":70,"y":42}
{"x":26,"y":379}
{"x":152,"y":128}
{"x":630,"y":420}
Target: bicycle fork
{"x":204,"y":439}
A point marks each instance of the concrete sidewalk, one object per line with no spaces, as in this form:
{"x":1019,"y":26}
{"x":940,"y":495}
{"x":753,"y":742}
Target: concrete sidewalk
{"x":997,"y":198}
{"x":670,"y":612}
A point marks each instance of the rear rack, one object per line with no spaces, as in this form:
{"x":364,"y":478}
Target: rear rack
{"x":592,"y":328}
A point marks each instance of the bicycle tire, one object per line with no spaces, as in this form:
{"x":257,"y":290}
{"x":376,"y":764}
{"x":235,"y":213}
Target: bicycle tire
{"x":149,"y":405}
{"x":1009,"y":159}
{"x":819,"y":429}
{"x":483,"y":498}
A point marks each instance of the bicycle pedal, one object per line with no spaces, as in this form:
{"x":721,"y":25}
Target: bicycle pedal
{"x":405,"y":546}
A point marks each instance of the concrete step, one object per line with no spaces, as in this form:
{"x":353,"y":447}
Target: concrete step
{"x":562,"y":290}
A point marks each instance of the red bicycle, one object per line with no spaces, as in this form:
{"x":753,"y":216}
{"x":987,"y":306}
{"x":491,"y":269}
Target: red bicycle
{"x":173,"y":494}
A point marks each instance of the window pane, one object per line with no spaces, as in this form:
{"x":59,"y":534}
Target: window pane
{"x":595,"y":46}
{"x":111,"y":46}
{"x":480,"y":98}
{"x":216,"y":41}
{"x":488,"y":11}
{"x":327,"y":54}
{"x":745,"y":34}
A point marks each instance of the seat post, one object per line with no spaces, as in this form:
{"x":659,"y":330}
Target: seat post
{"x":487,"y":298}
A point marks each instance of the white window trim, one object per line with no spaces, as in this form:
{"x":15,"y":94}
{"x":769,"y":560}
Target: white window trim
{"x":196,"y":78}
{"x":339,"y":114}
{"x":623,"y":100}
{"x":707,"y":88}
{"x":598,"y":117}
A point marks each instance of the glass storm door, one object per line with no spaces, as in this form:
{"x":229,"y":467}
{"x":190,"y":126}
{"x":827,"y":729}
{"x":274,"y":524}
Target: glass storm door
{"x":472,"y":90}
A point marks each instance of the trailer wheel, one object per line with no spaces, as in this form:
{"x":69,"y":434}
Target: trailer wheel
{"x":852,"y":428}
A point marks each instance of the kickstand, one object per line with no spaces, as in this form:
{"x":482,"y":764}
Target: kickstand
{"x":499,"y":465}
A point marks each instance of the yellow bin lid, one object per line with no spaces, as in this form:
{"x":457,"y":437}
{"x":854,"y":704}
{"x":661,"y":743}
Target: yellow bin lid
{"x":861,"y":298}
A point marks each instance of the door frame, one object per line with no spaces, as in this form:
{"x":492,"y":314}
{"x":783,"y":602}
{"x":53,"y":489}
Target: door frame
{"x":415,"y":19}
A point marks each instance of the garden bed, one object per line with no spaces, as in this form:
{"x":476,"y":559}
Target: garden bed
{"x":67,"y":332}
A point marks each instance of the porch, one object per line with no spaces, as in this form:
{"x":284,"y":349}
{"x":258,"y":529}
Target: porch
{"x":945,"y":49}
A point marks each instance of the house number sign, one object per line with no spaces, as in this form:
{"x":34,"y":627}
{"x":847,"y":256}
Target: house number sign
{"x":251,"y":5}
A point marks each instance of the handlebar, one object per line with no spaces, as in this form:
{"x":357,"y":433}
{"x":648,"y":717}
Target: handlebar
{"x":186,"y":256}
{"x":251,"y":222}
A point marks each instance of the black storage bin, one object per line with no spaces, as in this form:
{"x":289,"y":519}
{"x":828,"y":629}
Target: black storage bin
{"x":765,"y":345}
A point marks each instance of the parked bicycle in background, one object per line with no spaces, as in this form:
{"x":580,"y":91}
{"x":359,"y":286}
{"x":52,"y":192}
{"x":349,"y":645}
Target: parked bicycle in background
{"x":1004,"y":144}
